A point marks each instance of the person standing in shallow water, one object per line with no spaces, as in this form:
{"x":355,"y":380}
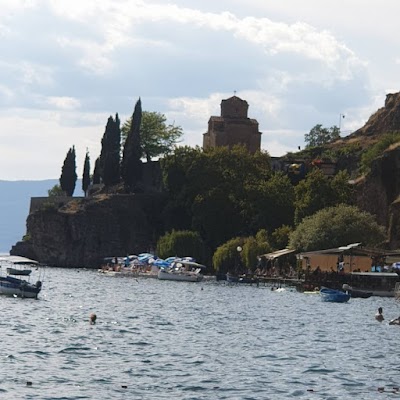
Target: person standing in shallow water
{"x":379,"y":315}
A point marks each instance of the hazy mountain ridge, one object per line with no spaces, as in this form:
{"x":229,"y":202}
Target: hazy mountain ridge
{"x":14,"y":208}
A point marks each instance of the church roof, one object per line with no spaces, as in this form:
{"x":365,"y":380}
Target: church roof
{"x":235,"y":98}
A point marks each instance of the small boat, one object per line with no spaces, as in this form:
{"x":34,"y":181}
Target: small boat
{"x":314,"y":291}
{"x":232,"y":278}
{"x":355,"y":293}
{"x":332,"y":295}
{"x":249,"y":279}
{"x":182,"y":270}
{"x":18,"y":287}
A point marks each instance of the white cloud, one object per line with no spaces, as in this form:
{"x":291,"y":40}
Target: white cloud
{"x":35,"y":74}
{"x":116,"y":29}
{"x":40,"y":142}
{"x":64,"y":103}
{"x":67,"y":65}
{"x":6,"y":93}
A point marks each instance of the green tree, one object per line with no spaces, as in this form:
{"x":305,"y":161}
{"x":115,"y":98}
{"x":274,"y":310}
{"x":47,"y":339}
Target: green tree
{"x":86,"y":173}
{"x":239,"y":255}
{"x":226,"y":257}
{"x":68,"y":173}
{"x":216,"y":216}
{"x":270,"y":202}
{"x":110,"y":152}
{"x":96,"y":172}
{"x":377,"y":150}
{"x":280,"y":237}
{"x":131,"y":167}
{"x":312,"y":194}
{"x":254,"y":246}
{"x":319,"y":135}
{"x":55,"y":191}
{"x":157,"y":137}
{"x":181,"y":244}
{"x":318,"y":191}
{"x":217,"y":191}
{"x":336,"y":226}
{"x":343,"y":191}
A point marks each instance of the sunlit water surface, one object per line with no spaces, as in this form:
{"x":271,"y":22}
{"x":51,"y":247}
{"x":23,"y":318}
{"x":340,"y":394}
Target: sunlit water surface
{"x":176,"y":340}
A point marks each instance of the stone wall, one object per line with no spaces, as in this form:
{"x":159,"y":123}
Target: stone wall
{"x":57,"y":201}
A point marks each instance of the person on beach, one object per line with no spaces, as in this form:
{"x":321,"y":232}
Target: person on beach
{"x":379,"y":315}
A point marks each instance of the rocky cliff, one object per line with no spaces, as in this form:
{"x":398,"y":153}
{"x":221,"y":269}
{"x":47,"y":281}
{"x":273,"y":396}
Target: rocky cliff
{"x":386,"y":119}
{"x":381,"y":187}
{"x":83,"y":232}
{"x":379,"y":191}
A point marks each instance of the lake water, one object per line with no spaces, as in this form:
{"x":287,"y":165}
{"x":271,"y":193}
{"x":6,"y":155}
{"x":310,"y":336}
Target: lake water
{"x":177,"y":340}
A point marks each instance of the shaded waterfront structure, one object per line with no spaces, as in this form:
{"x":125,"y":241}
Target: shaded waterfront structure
{"x":354,"y":266}
{"x":233,"y":127}
{"x":278,"y":263}
{"x":352,"y":257}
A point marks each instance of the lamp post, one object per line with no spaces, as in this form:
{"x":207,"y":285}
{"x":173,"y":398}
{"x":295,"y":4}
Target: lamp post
{"x":340,"y":120}
{"x":239,"y":250}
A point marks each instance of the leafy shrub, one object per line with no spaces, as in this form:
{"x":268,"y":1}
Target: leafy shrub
{"x":336,"y":226}
{"x":377,"y":150}
{"x":182,"y":244}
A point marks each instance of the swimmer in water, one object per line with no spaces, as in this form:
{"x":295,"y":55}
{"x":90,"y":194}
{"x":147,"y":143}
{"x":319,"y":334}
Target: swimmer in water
{"x":379,"y":315}
{"x":92,"y":319}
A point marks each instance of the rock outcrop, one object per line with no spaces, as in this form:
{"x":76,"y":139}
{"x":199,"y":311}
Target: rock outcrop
{"x":385,"y":120}
{"x":381,"y":187}
{"x":379,"y":191}
{"x":83,"y":232}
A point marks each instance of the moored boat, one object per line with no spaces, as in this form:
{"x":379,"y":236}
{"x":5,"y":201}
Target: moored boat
{"x":232,"y":278}
{"x":354,"y":293}
{"x":380,"y":284}
{"x":182,"y":270}
{"x":18,"y":287}
{"x":333,"y":295}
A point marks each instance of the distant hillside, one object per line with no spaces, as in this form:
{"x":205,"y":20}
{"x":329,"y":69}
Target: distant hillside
{"x":14,"y":207}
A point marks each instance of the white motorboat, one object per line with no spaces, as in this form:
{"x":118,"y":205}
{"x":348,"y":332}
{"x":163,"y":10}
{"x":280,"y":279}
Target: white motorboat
{"x":16,"y":281}
{"x":182,"y":270}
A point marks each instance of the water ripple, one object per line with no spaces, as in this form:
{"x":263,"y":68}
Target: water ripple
{"x":176,"y":340}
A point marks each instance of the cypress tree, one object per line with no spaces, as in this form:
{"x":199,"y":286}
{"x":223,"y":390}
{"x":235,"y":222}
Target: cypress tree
{"x":96,"y":172}
{"x":68,"y":173}
{"x":131,"y":168}
{"x":86,"y":173}
{"x":110,"y":152}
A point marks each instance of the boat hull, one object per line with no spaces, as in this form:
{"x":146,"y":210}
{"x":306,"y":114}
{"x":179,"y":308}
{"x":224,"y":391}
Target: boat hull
{"x":361,"y":294}
{"x":172,"y":276}
{"x":18,"y":289}
{"x":334,"y":296}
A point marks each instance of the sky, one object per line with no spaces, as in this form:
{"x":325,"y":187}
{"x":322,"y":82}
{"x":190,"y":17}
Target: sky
{"x":67,"y":65}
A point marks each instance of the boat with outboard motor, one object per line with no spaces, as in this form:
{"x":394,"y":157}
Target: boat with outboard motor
{"x":16,"y":281}
{"x":182,"y":270}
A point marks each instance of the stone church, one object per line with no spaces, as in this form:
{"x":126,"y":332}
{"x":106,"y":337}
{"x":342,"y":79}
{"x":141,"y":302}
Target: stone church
{"x":233,"y":127}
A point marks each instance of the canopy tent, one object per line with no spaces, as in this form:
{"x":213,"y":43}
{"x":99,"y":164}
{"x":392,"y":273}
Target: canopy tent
{"x":17,"y":260}
{"x":277,"y":254}
{"x":353,"y":249}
